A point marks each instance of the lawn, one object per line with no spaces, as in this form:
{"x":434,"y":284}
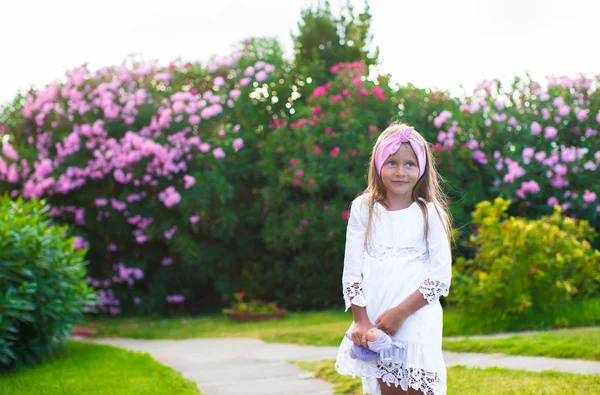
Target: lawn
{"x":85,"y":368}
{"x":326,"y":328}
{"x":474,"y":381}
{"x":571,"y":343}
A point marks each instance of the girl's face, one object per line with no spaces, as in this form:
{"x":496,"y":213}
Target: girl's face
{"x":400,"y":171}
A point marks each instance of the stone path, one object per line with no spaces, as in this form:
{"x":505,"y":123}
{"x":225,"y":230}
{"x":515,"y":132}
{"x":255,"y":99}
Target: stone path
{"x":253,"y":367}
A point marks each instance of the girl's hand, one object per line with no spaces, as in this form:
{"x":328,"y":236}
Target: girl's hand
{"x":359,"y":334}
{"x":390,"y":321}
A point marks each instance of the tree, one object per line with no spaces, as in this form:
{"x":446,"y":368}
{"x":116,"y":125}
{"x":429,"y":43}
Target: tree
{"x":324,"y":40}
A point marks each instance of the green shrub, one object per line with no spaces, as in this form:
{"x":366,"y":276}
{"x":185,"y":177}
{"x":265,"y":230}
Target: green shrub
{"x":43,"y":289}
{"x":525,"y":266}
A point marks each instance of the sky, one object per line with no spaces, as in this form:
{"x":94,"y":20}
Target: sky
{"x":429,"y":43}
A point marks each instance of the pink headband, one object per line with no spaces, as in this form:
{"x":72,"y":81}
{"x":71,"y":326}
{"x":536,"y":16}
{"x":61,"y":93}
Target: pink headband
{"x":392,"y":143}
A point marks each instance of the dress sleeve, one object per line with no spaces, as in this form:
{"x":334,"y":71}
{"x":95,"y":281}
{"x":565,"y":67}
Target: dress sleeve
{"x":353,"y":258}
{"x":439,"y":271}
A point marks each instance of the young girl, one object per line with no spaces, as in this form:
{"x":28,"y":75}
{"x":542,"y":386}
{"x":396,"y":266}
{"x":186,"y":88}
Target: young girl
{"x":397,"y":264}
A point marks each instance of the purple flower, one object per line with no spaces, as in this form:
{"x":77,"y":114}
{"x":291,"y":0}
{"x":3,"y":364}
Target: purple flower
{"x":167,"y":261}
{"x":80,"y":243}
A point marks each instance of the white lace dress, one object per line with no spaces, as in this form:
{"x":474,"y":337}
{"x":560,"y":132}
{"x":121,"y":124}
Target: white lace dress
{"x":399,"y":262}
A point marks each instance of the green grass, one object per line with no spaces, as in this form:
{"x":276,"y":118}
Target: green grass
{"x":85,"y":368}
{"x":474,"y":381}
{"x":325,"y":328}
{"x":315,"y":328}
{"x":571,"y":343}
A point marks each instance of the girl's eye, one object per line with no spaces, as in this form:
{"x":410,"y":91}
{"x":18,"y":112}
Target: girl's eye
{"x":391,"y":163}
{"x":410,"y":164}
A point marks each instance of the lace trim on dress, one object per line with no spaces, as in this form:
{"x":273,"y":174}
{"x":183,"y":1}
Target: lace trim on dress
{"x":381,"y":252}
{"x":391,"y":368}
{"x":353,"y":294}
{"x":429,"y":383}
{"x":433,"y":289}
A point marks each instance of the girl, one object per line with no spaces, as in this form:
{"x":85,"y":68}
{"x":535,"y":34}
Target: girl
{"x":397,"y":264}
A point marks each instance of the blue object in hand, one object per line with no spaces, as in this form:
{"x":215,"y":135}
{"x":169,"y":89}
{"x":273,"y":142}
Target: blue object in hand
{"x":384,"y":342}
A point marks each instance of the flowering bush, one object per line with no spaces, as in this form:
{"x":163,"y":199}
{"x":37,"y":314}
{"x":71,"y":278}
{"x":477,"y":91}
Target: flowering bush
{"x":242,"y":303}
{"x":315,"y":164}
{"x":521,"y":265}
{"x":533,"y":143}
{"x":43,"y":291}
{"x":147,"y":163}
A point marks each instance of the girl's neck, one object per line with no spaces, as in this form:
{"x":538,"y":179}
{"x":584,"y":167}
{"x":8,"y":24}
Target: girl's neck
{"x":397,"y":202}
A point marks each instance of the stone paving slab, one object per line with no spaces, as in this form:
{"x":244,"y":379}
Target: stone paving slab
{"x":253,"y":367}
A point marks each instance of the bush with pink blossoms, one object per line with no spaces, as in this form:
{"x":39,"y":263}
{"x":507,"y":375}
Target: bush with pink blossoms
{"x":315,"y":167}
{"x":535,"y":144}
{"x":147,"y":163}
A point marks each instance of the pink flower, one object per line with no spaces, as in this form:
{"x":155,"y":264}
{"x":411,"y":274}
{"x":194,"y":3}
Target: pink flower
{"x":316,"y":149}
{"x":564,"y":110}
{"x":167,"y":261}
{"x":219,"y":153}
{"x":335,"y":152}
{"x":300,"y":173}
{"x":473,"y":144}
{"x":9,"y":152}
{"x":100,"y":202}
{"x":293,"y":162}
{"x":552,"y":201}
{"x":237,"y":144}
{"x":189,"y":181}
{"x":550,"y":132}
{"x":136,"y":300}
{"x":598,"y":117}
{"x":245,"y":81}
{"x":141,"y":238}
{"x":440,"y":119}
{"x":319,"y":91}
{"x":194,"y":119}
{"x":536,"y":128}
{"x":346,"y":215}
{"x":378,"y":92}
{"x":479,"y":156}
{"x":260,"y":76}
{"x":170,"y":232}
{"x":582,"y":114}
{"x":194,"y":219}
{"x":589,"y":197}
{"x":219,"y":81}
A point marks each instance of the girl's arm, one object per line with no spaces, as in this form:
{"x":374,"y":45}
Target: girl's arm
{"x":352,"y":276}
{"x":353,"y":257}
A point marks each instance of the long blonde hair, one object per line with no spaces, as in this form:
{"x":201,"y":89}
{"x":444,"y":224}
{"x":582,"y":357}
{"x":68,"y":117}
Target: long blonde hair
{"x":427,"y":187}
